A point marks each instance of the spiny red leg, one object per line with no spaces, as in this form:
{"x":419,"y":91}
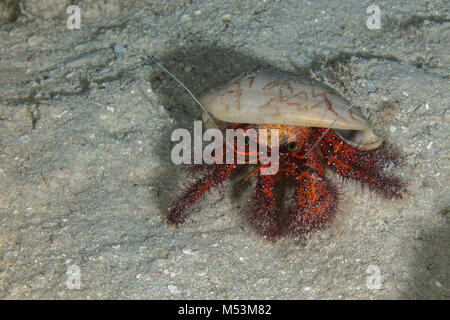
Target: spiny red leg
{"x":363,"y":166}
{"x":263,"y":213}
{"x":316,"y":202}
{"x":184,"y":205}
{"x":314,"y":161}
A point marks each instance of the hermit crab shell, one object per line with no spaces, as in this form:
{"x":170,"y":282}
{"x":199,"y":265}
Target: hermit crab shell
{"x":268,"y":97}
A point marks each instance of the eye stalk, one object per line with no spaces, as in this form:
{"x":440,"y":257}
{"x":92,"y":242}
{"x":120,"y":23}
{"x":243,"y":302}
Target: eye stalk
{"x":292,"y":146}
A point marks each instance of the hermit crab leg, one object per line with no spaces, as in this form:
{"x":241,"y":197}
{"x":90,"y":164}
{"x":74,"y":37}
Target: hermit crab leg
{"x":263,"y":214}
{"x":315,"y":202}
{"x":364,"y":166}
{"x":183,"y":207}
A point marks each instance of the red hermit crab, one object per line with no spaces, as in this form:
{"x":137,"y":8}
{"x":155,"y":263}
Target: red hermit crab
{"x":317,"y":128}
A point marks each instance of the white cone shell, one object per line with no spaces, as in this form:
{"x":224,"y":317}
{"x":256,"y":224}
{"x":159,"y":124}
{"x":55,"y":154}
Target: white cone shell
{"x":277,"y":98}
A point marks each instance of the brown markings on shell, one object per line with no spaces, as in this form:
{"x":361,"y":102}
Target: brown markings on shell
{"x":286,"y":88}
{"x":328,"y":102}
{"x":271,"y":84}
{"x":237,"y":92}
{"x":227,"y":106}
{"x":287,"y":83}
{"x":283,"y":97}
{"x":350,"y":112}
{"x":252,"y":78}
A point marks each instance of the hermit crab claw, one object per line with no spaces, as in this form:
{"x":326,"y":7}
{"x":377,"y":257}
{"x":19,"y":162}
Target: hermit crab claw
{"x":271,"y":97}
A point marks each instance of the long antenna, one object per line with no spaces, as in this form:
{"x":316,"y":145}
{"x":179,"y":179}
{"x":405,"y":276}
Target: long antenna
{"x":193,"y":97}
{"x":188,"y":91}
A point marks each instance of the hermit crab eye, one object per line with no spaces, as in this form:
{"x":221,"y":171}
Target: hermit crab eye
{"x":292,"y":146}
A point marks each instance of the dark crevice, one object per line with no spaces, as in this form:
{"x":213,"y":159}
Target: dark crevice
{"x":418,"y":20}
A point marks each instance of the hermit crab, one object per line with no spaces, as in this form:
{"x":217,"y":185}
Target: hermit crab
{"x":316,"y":128}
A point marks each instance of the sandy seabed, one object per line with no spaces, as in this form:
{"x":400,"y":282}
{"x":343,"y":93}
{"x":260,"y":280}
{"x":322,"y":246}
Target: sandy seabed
{"x":85,"y":170}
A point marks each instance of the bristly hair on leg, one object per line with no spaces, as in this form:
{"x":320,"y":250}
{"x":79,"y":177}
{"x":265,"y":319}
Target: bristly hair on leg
{"x":367,"y":167}
{"x":262,"y":211}
{"x":185,"y":204}
{"x":315,"y":205}
{"x":385,"y":183}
